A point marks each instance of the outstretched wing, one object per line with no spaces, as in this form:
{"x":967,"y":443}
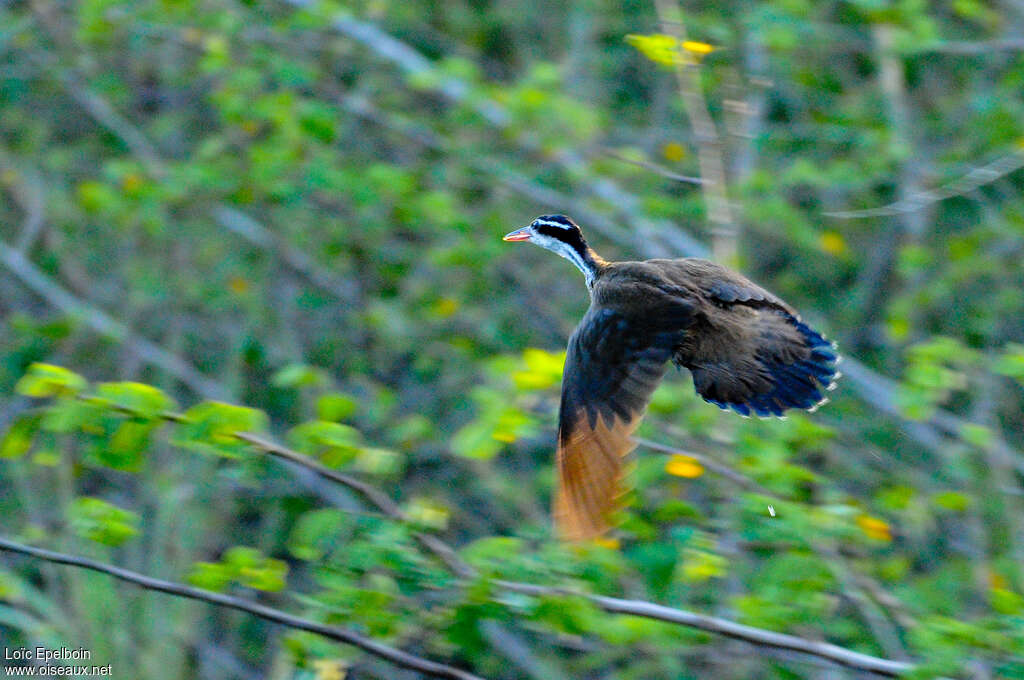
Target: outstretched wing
{"x":612,"y":366}
{"x":749,"y":351}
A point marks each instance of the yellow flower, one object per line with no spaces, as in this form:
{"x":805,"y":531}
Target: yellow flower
{"x":445,"y":307}
{"x":238,"y":285}
{"x":673,"y":151}
{"x":875,"y":528}
{"x":833,"y":243}
{"x":131,"y":182}
{"x":684,"y":466}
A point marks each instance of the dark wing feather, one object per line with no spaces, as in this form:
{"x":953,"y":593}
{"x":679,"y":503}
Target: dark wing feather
{"x":749,"y":351}
{"x":613,"y":364}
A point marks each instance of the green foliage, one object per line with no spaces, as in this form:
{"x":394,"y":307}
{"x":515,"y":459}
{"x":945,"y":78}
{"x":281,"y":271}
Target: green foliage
{"x":244,"y":566}
{"x":46,"y":380}
{"x":307,"y":215}
{"x":211,"y":427}
{"x":100,"y":521}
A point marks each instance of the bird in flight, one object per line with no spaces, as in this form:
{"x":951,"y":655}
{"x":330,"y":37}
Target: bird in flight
{"x":747,"y":351}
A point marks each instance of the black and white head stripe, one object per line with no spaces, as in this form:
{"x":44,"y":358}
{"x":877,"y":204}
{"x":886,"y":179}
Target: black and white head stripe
{"x":556,"y":221}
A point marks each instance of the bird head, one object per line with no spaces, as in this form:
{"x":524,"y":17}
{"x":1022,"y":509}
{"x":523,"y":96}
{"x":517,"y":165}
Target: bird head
{"x":556,"y":233}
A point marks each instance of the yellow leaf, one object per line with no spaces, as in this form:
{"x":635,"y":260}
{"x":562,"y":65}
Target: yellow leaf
{"x":668,"y":50}
{"x":659,"y":48}
{"x":610,"y":543}
{"x":330,"y":669}
{"x":697,"y":47}
{"x":875,"y":528}
{"x":833,"y":243}
{"x":673,"y":151}
{"x":684,"y":466}
{"x":238,"y":285}
{"x":131,"y":182}
{"x":445,"y":307}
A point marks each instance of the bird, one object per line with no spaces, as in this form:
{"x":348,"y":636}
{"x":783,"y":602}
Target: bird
{"x":746,"y":349}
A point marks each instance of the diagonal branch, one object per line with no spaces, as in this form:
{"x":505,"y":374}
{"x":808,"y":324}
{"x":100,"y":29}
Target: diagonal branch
{"x":224,"y":214}
{"x":446,"y":554}
{"x":613,"y":605}
{"x":106,"y":325}
{"x":645,"y":231}
{"x":395,"y":656}
{"x":965,"y":184}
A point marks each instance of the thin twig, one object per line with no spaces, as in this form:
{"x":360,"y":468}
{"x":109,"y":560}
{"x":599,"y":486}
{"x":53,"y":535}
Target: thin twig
{"x":387,"y":506}
{"x":395,"y":656}
{"x":965,"y":184}
{"x":970,"y":47}
{"x":653,"y":167}
{"x":30,"y":196}
{"x":711,"y":464}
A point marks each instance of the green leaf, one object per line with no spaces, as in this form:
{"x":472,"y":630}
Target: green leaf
{"x":103,"y":522}
{"x":70,"y":415}
{"x":137,"y":398}
{"x":211,"y":575}
{"x":17,"y":441}
{"x":211,"y":427}
{"x":380,"y":462}
{"x":299,"y":375}
{"x":426,"y":513}
{"x":335,"y":406}
{"x":334,"y":443}
{"x":952,"y":500}
{"x":47,"y":380}
{"x":315,"y":533}
{"x":476,"y":440}
{"x":1011,"y":362}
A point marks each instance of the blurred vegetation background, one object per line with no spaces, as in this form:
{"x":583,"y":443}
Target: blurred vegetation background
{"x":297,"y":207}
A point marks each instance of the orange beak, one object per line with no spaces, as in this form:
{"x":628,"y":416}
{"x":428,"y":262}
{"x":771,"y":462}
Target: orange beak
{"x":518,"y":235}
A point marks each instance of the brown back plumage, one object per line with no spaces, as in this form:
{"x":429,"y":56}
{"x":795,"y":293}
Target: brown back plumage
{"x":747,"y":350}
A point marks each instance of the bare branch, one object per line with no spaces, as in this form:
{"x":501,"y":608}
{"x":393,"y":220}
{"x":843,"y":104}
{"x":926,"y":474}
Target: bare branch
{"x":445,"y":553}
{"x":724,"y":233}
{"x":27,"y":188}
{"x":395,"y":656}
{"x":448,"y":556}
{"x":224,"y":214}
{"x":970,"y":47}
{"x":106,"y":325}
{"x":965,"y":184}
{"x":653,"y":167}
{"x":737,"y":631}
{"x":711,"y":464}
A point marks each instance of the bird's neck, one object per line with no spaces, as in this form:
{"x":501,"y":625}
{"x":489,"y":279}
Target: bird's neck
{"x":585,"y":259}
